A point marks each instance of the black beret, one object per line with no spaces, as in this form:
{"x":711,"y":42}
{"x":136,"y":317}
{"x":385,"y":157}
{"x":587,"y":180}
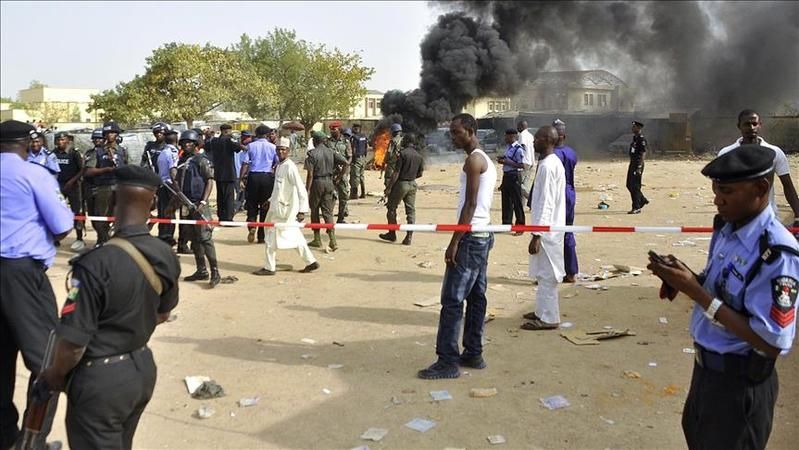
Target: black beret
{"x":511,"y":131}
{"x":14,"y":130}
{"x":137,"y":176}
{"x":61,"y":134}
{"x":635,"y":122}
{"x":261,"y":130}
{"x":746,"y":162}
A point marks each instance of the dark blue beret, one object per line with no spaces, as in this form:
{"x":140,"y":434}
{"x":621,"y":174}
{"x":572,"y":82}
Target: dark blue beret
{"x":635,"y":122}
{"x":14,"y":130}
{"x":746,"y":162}
{"x":137,"y":176}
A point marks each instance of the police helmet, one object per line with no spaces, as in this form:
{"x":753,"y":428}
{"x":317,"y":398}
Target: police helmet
{"x":189,"y":135}
{"x":161,"y":126}
{"x":396,"y":127}
{"x":97,"y":133}
{"x":347,"y":132}
{"x":111,"y":127}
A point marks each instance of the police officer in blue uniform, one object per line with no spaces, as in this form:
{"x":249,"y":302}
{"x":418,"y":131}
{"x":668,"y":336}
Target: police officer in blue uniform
{"x":635,"y":171}
{"x":166,"y":168}
{"x":258,"y":167}
{"x":745,"y":306}
{"x":39,"y":154}
{"x":32,"y":214}
{"x":101,"y":351}
{"x":100,"y":164}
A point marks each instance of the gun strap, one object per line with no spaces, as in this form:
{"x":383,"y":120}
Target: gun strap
{"x":141,"y":261}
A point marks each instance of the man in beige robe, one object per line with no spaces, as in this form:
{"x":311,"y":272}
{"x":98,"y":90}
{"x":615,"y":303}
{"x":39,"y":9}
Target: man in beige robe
{"x":287,"y":208}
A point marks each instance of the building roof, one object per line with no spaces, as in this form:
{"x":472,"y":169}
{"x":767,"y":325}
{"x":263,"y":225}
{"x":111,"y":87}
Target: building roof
{"x":373,"y":92}
{"x":586,"y":79}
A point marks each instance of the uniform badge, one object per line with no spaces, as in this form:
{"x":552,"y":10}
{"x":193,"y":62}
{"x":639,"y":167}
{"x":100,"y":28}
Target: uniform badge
{"x":70,"y":305}
{"x":783,"y":293}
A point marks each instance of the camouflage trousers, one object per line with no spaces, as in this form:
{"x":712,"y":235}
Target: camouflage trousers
{"x":343,"y":194}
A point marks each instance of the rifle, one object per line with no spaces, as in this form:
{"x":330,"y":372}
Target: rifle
{"x":185,"y":200}
{"x":41,"y":400}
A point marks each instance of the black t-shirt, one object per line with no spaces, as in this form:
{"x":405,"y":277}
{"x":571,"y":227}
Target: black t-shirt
{"x":637,"y":148}
{"x":111,"y":308}
{"x":70,"y":162}
{"x":223,"y":152}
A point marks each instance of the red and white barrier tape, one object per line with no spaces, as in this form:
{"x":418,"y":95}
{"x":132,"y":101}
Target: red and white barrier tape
{"x":426,"y":227}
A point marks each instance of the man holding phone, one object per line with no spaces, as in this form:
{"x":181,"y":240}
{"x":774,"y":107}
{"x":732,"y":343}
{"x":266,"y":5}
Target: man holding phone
{"x":745,"y":312}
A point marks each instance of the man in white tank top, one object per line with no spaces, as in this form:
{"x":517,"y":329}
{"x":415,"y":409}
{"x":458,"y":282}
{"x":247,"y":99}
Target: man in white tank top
{"x":546,"y":249}
{"x":466,"y":258}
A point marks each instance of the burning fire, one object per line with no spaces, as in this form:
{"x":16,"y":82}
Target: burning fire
{"x":382,"y":139}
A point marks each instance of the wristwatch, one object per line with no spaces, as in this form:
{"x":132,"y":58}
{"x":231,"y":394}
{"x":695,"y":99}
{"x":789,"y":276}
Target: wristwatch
{"x":202,"y":202}
{"x":712,"y":309}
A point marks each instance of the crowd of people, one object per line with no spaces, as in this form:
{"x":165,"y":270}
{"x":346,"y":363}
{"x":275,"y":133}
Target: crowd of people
{"x":745,"y":298}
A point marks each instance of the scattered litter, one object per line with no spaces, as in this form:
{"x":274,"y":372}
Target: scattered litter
{"x":338,"y":344}
{"x":653,"y":364}
{"x":489,"y":317}
{"x":307,"y":356}
{"x":688,"y":350}
{"x":498,"y":288}
{"x":335,"y":366}
{"x":327,"y":391}
{"x":496,"y":439}
{"x":248,"y":401}
{"x":420,"y":425}
{"x":671,"y":389}
{"x":425,"y":264}
{"x":579,"y":337}
{"x":684,"y":244}
{"x":208,"y":389}
{"x":433,"y":301}
{"x":193,"y":382}
{"x":555,"y":402}
{"x":362,"y":447}
{"x":230,"y":279}
{"x":607,"y":327}
{"x":607,"y":421}
{"x":593,"y":287}
{"x":204,"y":412}
{"x":440,"y":395}
{"x":571,"y":295}
{"x":374,"y":434}
{"x":395,"y":400}
{"x":482,"y":392}
{"x":308,"y":341}
{"x":566,"y":325}
{"x":420,"y":344}
{"x":631,"y":374}
{"x":663,"y":320}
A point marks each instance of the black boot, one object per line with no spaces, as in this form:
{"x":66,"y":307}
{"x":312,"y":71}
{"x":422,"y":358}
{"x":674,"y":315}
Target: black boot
{"x":390,"y":236}
{"x":215,"y":278}
{"x":408,"y":238}
{"x":199,"y":275}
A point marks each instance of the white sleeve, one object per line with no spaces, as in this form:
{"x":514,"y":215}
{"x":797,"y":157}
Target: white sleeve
{"x":543,"y":203}
{"x":299,"y":186}
{"x":781,"y":166}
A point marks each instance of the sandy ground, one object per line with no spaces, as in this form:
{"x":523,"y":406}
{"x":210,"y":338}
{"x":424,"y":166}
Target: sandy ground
{"x":359,"y":311}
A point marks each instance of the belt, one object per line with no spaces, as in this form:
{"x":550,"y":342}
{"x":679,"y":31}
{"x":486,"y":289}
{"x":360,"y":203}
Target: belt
{"x":106,"y":360}
{"x":753,"y":366}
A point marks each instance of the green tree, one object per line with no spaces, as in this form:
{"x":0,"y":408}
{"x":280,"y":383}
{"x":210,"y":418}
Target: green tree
{"x":127,"y":103}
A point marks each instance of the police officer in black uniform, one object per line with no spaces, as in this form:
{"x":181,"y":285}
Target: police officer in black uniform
{"x":222,"y":151}
{"x":70,"y":162}
{"x":635,"y":170}
{"x":101,"y":357}
{"x":100,"y":165}
{"x":149,"y":157}
{"x":744,"y":313}
{"x":88,"y":182}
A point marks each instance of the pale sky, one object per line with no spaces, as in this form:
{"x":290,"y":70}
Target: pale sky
{"x":98,"y":44}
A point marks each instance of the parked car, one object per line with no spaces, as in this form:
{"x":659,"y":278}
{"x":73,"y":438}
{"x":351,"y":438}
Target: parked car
{"x":489,"y":140}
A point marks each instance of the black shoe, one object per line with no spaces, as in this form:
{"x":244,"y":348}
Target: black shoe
{"x":406,"y":241}
{"x":262,"y":271}
{"x":310,"y":267}
{"x":390,"y":236}
{"x":439,"y":370}
{"x":183,"y":249}
{"x":472,"y":362}
{"x":362,"y":196}
{"x":261,"y":241}
{"x":646,"y":202}
{"x":341,"y":220}
{"x":199,"y":275}
{"x":634,"y":211}
{"x":215,"y":278}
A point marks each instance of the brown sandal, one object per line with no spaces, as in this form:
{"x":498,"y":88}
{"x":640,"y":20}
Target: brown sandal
{"x":537,"y":325}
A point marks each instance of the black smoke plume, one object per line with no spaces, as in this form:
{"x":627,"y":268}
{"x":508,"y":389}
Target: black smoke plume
{"x":716,"y":56}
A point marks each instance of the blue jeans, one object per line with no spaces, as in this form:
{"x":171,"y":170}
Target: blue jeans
{"x":464,"y":281}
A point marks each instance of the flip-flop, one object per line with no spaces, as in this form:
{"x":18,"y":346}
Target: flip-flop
{"x":537,"y":325}
{"x":531,"y":316}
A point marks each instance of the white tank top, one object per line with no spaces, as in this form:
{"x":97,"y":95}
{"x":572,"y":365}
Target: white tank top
{"x":485,"y":193}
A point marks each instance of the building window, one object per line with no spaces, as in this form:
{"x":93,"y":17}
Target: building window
{"x":602,"y":100}
{"x":585,"y":99}
{"x":591,"y":99}
{"x":490,"y":106}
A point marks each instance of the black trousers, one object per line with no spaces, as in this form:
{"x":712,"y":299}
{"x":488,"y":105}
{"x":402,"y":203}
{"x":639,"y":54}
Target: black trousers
{"x":28,"y":312}
{"x":259,"y":190}
{"x":634,"y":186}
{"x":202,"y":241}
{"x":106,"y":401}
{"x":225,"y":199}
{"x":725,"y":411}
{"x":102,"y":204}
{"x":166,"y":231}
{"x":512,"y":202}
{"x":75,"y":198}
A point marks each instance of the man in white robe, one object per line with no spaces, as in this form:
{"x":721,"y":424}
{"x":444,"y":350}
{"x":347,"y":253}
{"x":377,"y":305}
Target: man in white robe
{"x":288,"y":205}
{"x":546,"y":249}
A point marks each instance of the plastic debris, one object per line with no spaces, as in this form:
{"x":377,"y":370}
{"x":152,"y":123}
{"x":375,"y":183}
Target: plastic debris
{"x":607,"y":421}
{"x":566,"y":325}
{"x":663,"y":320}
{"x":440,"y":395}
{"x":689,"y":350}
{"x":248,"y":401}
{"x":307,"y":356}
{"x":425,"y":264}
{"x":631,"y":374}
{"x":204,"y":412}
{"x":482,"y":392}
{"x":308,"y":341}
{"x":335,"y":366}
{"x":555,"y":402}
{"x":420,"y":425}
{"x":496,"y":439}
{"x":327,"y":391}
{"x":207,"y":390}
{"x":194,"y":382}
{"x":653,"y":364}
{"x":374,"y":434}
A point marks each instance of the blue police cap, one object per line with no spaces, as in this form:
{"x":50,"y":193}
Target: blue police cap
{"x":746,"y":162}
{"x":97,"y":133}
{"x":396,"y":127}
{"x":347,"y":132}
{"x":132,"y":175}
{"x":14,"y":130}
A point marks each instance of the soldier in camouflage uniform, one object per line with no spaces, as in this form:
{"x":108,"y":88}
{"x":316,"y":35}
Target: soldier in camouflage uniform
{"x":341,"y":145}
{"x":392,"y":154}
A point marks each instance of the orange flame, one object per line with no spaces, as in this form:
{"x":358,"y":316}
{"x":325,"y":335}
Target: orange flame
{"x":382,"y":138}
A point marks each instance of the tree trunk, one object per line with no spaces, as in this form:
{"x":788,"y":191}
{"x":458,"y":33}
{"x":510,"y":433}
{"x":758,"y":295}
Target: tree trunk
{"x":189,"y":123}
